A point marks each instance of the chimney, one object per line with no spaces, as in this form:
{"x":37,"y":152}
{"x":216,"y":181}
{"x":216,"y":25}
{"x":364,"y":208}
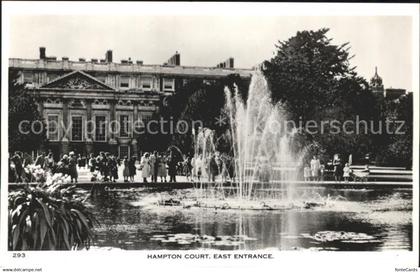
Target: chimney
{"x":175,"y":59}
{"x":42,"y":53}
{"x":108,"y":56}
{"x":229,"y":63}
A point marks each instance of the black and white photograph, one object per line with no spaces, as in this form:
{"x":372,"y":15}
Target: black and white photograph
{"x":209,"y":137}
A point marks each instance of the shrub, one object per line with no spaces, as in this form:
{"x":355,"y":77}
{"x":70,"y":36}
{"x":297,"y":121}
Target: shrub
{"x":49,"y":217}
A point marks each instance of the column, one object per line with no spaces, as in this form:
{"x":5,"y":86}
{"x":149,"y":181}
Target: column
{"x":112,"y":140}
{"x":90,"y":126}
{"x":40,"y":104}
{"x":134,"y":142}
{"x":66,"y":129}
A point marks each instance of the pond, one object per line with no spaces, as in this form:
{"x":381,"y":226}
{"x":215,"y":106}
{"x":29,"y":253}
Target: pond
{"x":347,"y":220}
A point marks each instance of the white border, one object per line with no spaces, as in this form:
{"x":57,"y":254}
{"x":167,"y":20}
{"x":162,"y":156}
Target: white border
{"x":136,"y":260}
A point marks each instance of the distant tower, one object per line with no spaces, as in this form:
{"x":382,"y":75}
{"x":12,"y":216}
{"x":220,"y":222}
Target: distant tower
{"x":376,"y":84}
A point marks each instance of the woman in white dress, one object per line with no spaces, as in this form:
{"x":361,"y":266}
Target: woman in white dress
{"x":346,"y":172}
{"x":145,"y":166}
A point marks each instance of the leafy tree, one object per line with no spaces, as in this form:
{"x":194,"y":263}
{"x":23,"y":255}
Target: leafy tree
{"x":305,"y":72}
{"x":22,"y":107}
{"x":203,"y":101}
{"x":399,"y":144}
{"x":314,"y":80}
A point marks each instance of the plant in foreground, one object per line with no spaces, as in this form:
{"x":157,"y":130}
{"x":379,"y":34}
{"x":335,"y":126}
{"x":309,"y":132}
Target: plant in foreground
{"x":49,"y":217}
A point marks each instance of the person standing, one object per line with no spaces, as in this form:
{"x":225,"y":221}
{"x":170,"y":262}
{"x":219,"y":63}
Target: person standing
{"x":17,"y":161}
{"x":40,"y":160}
{"x":187,"y":167}
{"x":307,"y":173}
{"x":315,"y":167}
{"x":63,"y":165}
{"x":145,"y":167}
{"x":49,"y":162}
{"x":156,"y":167}
{"x":346,"y":172}
{"x":322,"y":172}
{"x":214,"y":168}
{"x":337,"y":167}
{"x":132,"y":168}
{"x":73,"y":167}
{"x":92,"y":163}
{"x":152,"y":160}
{"x":81,"y":161}
{"x":198,"y":167}
{"x":113,"y":168}
{"x":172,"y":163}
{"x":206,"y":166}
{"x":162,"y":171}
{"x":105,"y":166}
{"x":126,"y":169}
{"x":100,"y":163}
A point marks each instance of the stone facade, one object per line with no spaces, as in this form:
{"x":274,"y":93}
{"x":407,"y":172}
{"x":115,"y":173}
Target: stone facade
{"x":79,"y":94}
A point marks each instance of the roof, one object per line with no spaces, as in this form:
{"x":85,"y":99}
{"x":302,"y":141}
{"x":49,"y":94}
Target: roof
{"x":60,"y":65}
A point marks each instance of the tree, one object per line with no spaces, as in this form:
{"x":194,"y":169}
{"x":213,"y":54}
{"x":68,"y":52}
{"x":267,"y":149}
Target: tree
{"x":305,"y":72}
{"x":399,"y":144}
{"x":23,"y":116}
{"x":313,"y":79}
{"x":198,"y":100}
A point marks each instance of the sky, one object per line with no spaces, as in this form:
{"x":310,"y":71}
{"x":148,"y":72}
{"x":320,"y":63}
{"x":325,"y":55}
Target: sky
{"x":382,"y":41}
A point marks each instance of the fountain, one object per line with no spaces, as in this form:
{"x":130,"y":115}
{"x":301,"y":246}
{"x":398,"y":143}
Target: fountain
{"x":257,"y":207}
{"x":263,"y":149}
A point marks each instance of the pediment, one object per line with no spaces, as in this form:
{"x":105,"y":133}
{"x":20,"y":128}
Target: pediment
{"x":77,"y":80}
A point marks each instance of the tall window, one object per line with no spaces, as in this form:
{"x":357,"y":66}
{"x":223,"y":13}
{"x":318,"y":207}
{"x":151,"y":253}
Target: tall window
{"x":124,"y":82}
{"x":124,"y":151}
{"x":124,"y":125}
{"x":168,"y":84}
{"x":53,"y":127}
{"x":100,"y":127}
{"x":76,"y":128}
{"x":146,"y":119}
{"x":28,"y":77}
{"x":101,"y":78}
{"x":146,"y":83}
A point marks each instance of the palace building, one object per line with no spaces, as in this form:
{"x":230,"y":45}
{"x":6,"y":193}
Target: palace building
{"x":79,"y":93}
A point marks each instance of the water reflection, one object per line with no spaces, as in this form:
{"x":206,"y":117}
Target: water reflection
{"x":384,"y":217}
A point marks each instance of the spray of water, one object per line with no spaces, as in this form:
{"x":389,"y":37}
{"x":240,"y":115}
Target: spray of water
{"x":263,"y":145}
{"x":264,"y":148}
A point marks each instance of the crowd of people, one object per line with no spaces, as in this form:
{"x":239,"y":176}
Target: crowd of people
{"x":336,"y":170}
{"x":194,"y":168}
{"x":153,"y":166}
{"x":163,"y":167}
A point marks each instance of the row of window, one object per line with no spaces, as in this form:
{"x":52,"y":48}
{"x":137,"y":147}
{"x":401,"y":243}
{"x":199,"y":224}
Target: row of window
{"x":76,"y":130}
{"x":146,"y":83}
